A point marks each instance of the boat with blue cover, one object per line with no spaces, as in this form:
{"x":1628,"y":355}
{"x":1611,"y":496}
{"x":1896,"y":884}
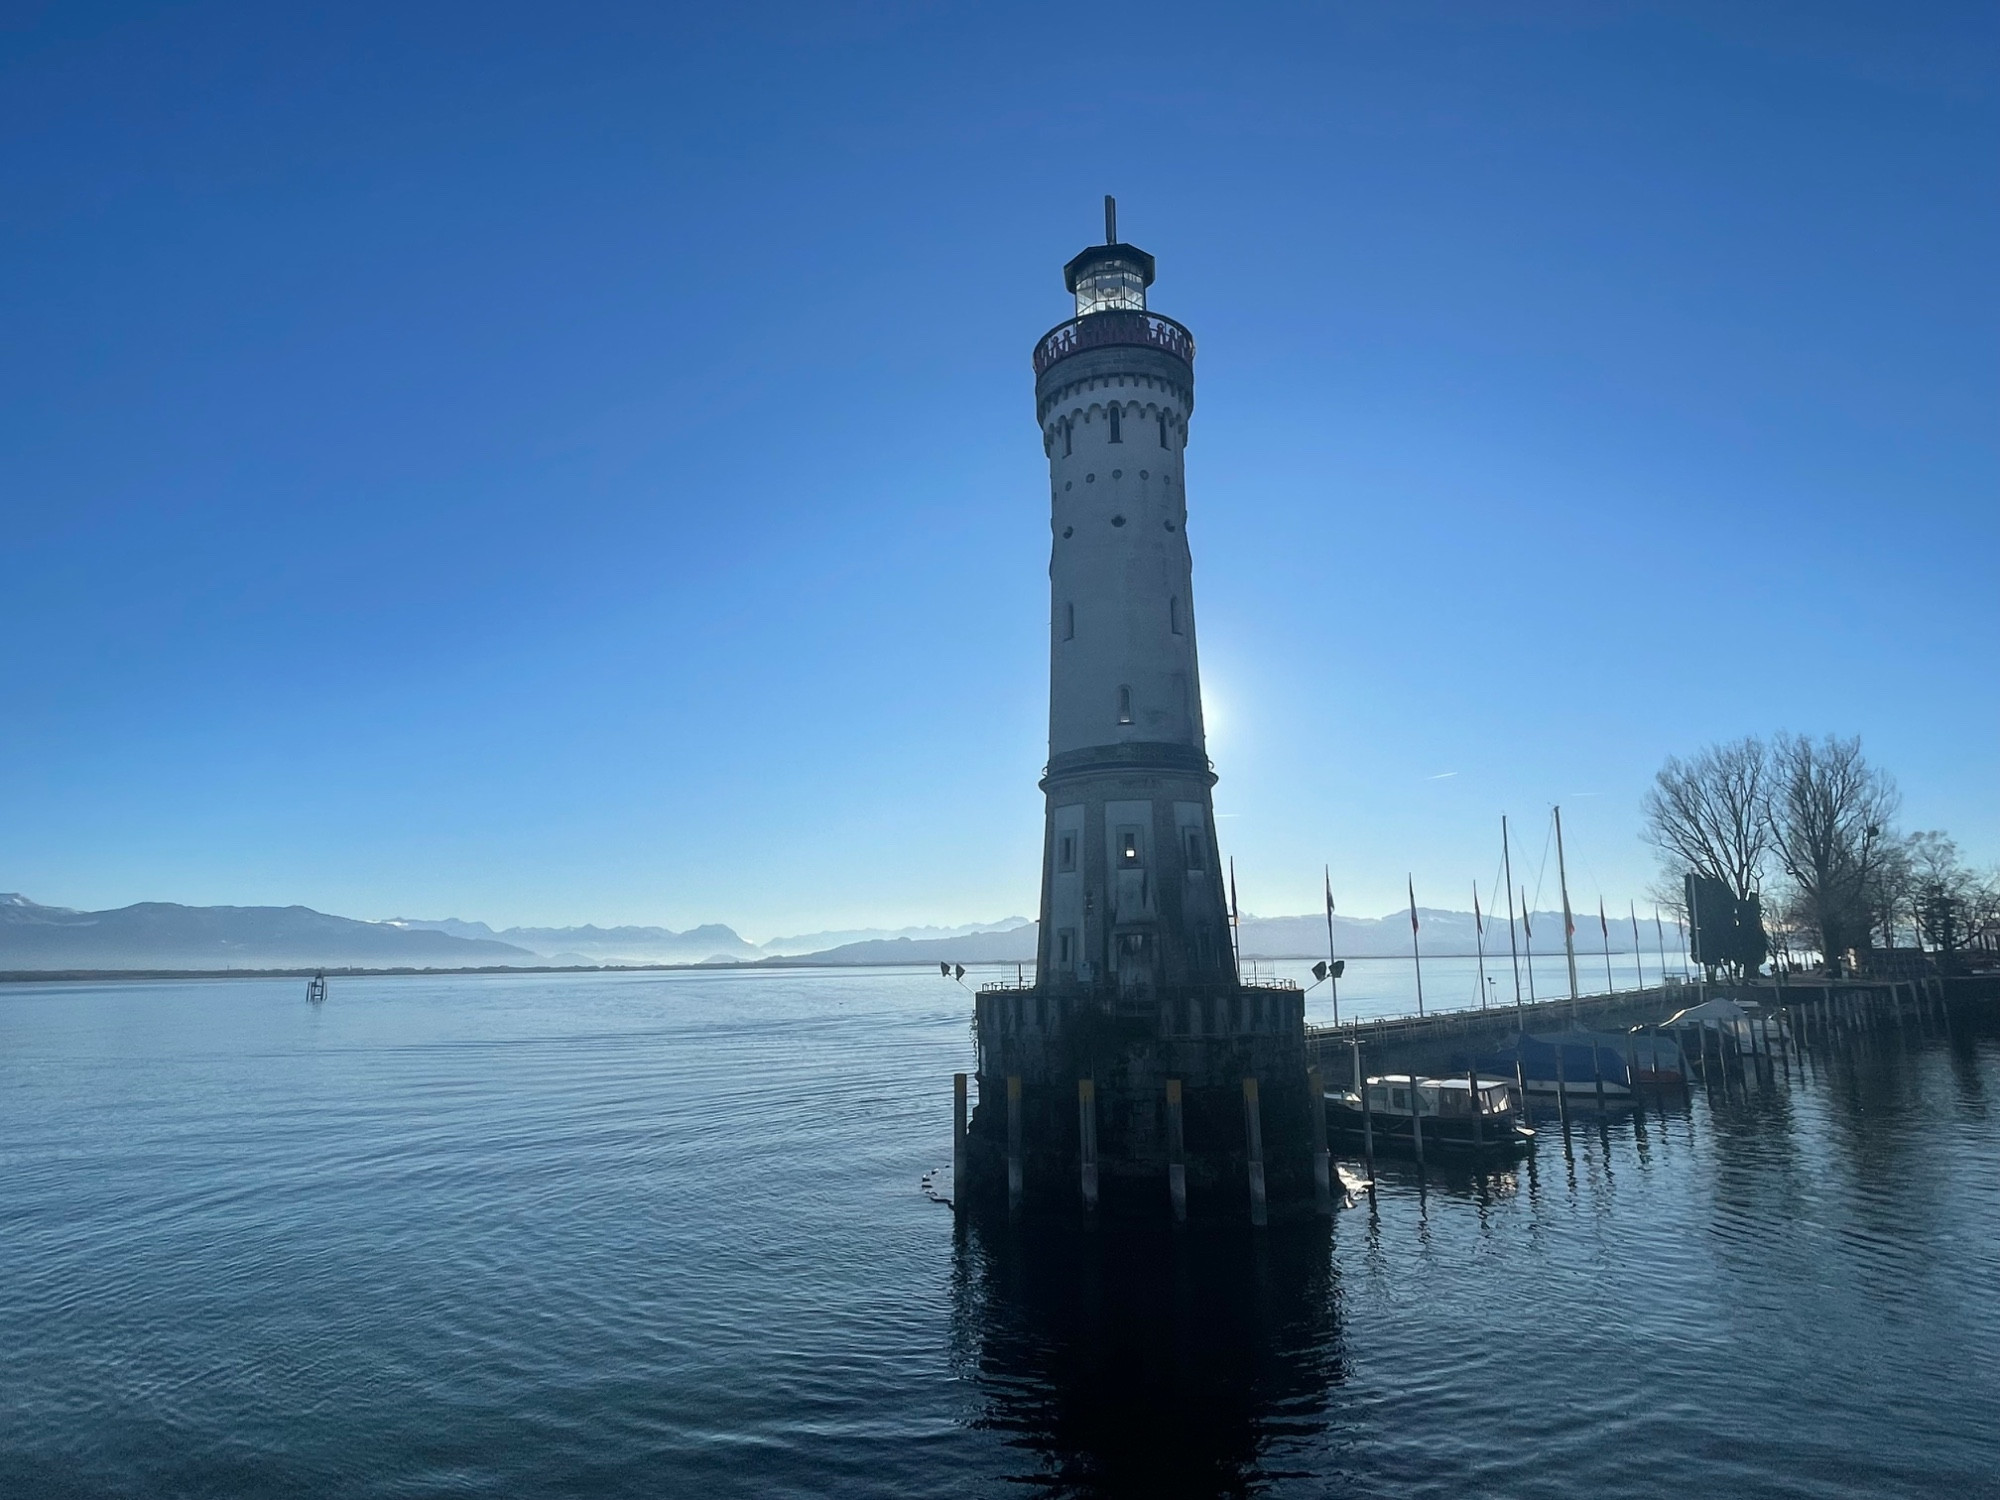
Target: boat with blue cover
{"x":1573,"y":1062}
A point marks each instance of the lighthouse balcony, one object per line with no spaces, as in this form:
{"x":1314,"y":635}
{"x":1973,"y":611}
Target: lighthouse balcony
{"x":1104,"y":330}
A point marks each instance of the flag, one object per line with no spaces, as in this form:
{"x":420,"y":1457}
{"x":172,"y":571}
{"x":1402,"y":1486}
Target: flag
{"x":1413,"y":904}
{"x":1329,"y":893}
{"x":1603,"y":925}
{"x":1526,"y":926}
{"x":1478,"y":924}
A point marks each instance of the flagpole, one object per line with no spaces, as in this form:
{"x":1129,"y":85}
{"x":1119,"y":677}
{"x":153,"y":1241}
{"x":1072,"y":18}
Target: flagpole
{"x":1638,"y":948}
{"x":1660,"y":933}
{"x":1332,"y":979}
{"x":1528,"y":940}
{"x":1569,"y":919}
{"x":1605,"y":928}
{"x":1417,"y":953}
{"x":1235,"y":923}
{"x":1479,"y":931}
{"x":1507,"y":857}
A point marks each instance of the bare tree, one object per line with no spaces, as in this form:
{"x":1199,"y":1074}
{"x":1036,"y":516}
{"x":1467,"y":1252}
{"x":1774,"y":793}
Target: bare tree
{"x":1953,"y":905}
{"x":1829,"y":814}
{"x":1710,"y":814}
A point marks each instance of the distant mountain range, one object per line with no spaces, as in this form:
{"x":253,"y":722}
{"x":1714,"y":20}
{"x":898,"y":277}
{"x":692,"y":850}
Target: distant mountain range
{"x":713,"y":943}
{"x":163,"y":935}
{"x":709,"y":943}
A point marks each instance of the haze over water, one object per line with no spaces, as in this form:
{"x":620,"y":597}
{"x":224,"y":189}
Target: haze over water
{"x":663,"y":1234}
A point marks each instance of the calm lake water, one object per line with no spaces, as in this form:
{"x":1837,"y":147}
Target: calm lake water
{"x":663,"y":1234}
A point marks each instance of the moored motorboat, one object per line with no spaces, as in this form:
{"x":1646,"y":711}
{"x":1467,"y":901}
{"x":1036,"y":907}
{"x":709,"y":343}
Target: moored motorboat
{"x":1449,"y":1113}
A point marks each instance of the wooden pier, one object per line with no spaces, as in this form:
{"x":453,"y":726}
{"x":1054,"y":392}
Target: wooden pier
{"x":1429,"y":1043}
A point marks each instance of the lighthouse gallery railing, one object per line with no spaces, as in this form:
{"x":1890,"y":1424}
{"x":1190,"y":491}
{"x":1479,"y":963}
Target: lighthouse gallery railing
{"x":1110,"y":329}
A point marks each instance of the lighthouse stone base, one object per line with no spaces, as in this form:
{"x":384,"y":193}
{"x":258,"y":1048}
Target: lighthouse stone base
{"x":1039,"y":1046}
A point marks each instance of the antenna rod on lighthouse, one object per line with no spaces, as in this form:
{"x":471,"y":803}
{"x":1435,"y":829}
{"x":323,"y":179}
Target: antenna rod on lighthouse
{"x":1110,"y":220}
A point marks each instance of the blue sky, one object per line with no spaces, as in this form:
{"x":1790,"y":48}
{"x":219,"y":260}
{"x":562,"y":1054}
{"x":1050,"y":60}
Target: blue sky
{"x":579,"y":464}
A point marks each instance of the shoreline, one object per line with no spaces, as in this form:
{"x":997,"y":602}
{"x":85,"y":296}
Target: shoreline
{"x":53,"y":976}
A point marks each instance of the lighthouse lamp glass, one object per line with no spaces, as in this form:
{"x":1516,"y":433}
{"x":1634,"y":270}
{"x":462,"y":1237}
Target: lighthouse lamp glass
{"x":1110,"y":287}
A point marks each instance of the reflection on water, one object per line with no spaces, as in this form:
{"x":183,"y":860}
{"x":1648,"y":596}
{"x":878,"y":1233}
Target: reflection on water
{"x":1133,"y":1359}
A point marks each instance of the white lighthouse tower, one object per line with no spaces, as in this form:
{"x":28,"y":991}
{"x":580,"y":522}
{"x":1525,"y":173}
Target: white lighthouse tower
{"x":1132,"y":892}
{"x":1137,"y":1065}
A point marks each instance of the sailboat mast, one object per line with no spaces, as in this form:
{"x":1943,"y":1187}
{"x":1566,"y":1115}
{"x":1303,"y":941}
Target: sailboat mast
{"x":1513,"y":951}
{"x":1660,"y":932}
{"x":1569,"y":920}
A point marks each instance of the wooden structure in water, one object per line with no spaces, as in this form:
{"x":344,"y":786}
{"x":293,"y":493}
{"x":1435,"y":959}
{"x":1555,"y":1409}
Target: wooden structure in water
{"x":1146,"y":1104}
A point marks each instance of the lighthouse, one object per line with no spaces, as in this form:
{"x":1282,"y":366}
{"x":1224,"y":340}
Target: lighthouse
{"x":1132,"y":892}
{"x":1137,"y":1065}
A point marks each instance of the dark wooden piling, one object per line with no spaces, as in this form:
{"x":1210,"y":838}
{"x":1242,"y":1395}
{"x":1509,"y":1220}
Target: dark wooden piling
{"x":1367,"y":1117}
{"x":961,"y":1182}
{"x":1478,"y":1119}
{"x":1322,"y":1161}
{"x":1013,"y":1142}
{"x":1253,"y":1128}
{"x":1416,"y":1122}
{"x":1086,"y":1132}
{"x":1562,"y":1092}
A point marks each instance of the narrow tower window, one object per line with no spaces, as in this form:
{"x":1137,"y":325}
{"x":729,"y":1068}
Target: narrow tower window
{"x":1069,"y":437}
{"x":1163,"y":429}
{"x":1174,"y":614}
{"x":1114,"y":425}
{"x":1066,"y":852}
{"x":1124,"y":705}
{"x":1069,"y":622}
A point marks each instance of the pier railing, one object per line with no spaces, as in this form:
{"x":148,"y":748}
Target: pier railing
{"x":1603,"y":1011}
{"x":1436,"y":1025}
